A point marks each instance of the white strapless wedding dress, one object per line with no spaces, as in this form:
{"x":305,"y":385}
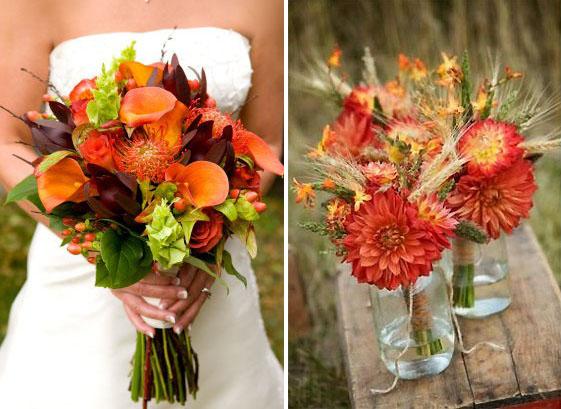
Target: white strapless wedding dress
{"x":69,"y":344}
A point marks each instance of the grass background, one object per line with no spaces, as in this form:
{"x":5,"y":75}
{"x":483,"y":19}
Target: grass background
{"x":16,"y":230}
{"x":526,"y":34}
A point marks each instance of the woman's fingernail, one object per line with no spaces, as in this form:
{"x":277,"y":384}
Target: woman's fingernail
{"x":182,"y":294}
{"x":151,"y":335}
{"x":176,"y":281}
{"x":161,"y":306}
{"x":171,"y":319}
{"x":177,"y":330}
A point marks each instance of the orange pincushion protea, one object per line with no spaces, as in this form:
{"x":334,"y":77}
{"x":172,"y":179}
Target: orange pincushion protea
{"x":386,"y":243}
{"x":211,"y":114}
{"x":496,"y":203}
{"x":143,"y":156}
{"x":490,"y":146}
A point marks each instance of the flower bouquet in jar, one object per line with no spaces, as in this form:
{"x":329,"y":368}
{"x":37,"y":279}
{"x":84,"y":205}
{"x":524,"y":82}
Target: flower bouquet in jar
{"x":139,"y":171}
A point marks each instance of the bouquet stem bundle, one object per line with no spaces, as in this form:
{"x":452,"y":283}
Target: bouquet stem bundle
{"x":164,"y":368}
{"x":421,"y":324}
{"x":463,"y":273}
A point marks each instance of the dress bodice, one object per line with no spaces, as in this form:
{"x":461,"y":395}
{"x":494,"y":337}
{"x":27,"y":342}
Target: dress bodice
{"x":224,"y":54}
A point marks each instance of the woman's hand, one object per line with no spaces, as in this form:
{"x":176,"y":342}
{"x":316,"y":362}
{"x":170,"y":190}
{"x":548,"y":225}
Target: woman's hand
{"x":153,"y":285}
{"x":198,"y":284}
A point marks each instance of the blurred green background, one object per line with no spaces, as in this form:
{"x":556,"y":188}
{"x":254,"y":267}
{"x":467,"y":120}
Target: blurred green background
{"x":16,"y":230}
{"x":525,"y":34}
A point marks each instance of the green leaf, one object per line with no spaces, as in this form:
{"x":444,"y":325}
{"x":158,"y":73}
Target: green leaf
{"x":230,"y":269}
{"x":144,"y":186}
{"x":65,"y":241}
{"x":244,"y":230}
{"x":23,"y":190}
{"x":228,"y":209}
{"x":124,"y":257}
{"x":102,"y":276}
{"x":201,"y":265}
{"x":245,"y":210}
{"x":247,"y":160}
{"x":52,"y":159}
{"x":55,"y":223}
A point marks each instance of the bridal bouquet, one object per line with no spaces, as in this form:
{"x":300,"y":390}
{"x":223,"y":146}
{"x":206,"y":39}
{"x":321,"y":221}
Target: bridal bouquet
{"x":140,"y":172}
{"x":410,"y":164}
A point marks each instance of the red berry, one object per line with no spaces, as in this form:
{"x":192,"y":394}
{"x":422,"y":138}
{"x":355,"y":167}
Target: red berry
{"x":90,"y":236}
{"x":68,"y":221}
{"x":74,"y":248}
{"x":92,"y":259}
{"x":80,"y":227}
{"x":33,"y":115}
{"x":87,"y":245}
{"x":180,"y":205}
{"x":118,"y":76}
{"x":193,"y":84}
{"x":131,"y":83}
{"x":235,"y":193}
{"x":251,"y":196}
{"x":260,"y":207}
{"x":66,"y":232}
{"x":76,"y":239}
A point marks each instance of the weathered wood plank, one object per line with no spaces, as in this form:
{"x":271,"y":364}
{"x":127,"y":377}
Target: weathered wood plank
{"x":529,"y":370}
{"x":299,"y":322}
{"x":533,"y":321}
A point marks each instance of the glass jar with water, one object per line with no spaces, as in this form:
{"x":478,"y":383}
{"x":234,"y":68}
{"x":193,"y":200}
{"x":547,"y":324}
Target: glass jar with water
{"x":479,"y":277}
{"x":417,"y":342}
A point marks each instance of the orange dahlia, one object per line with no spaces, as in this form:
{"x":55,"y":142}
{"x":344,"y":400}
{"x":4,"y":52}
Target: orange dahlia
{"x":490,"y":146}
{"x":438,"y":219}
{"x":350,"y":134}
{"x":380,"y":173}
{"x":498,"y":202}
{"x":386,"y":243}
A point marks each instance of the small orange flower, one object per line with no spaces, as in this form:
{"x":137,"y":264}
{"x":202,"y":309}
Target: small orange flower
{"x":403,"y":62}
{"x":329,"y":184}
{"x":510,"y":74}
{"x":337,"y":212}
{"x":419,"y":70}
{"x":481,"y":100}
{"x":449,"y":71}
{"x":334,"y":60}
{"x":304,"y":193}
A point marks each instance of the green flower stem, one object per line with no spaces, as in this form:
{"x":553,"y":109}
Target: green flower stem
{"x":421,"y":323}
{"x":163,"y":367}
{"x":463,"y":273}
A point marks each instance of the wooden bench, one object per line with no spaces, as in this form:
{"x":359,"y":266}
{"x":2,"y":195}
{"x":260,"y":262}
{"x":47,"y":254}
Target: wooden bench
{"x":527,"y":375}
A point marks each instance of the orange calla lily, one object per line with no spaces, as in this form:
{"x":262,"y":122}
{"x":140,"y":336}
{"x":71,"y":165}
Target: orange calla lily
{"x":145,"y":105}
{"x":247,"y":143}
{"x":63,"y":182}
{"x":169,"y":126}
{"x":202,"y":183}
{"x":140,"y":72}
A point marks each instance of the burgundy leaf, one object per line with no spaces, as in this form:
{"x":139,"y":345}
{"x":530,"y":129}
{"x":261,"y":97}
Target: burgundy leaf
{"x":153,"y":80}
{"x":217,"y":152}
{"x":182,"y":91}
{"x":230,"y":161}
{"x":62,"y":113}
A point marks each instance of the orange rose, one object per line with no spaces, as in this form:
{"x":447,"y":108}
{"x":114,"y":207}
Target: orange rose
{"x":83,"y":90}
{"x":79,"y":114}
{"x":207,"y":234}
{"x":96,"y":149}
